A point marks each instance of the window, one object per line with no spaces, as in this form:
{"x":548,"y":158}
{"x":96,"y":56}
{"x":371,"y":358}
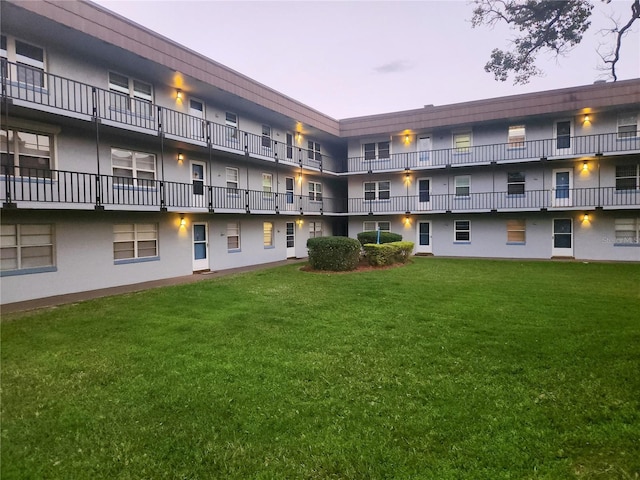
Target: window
{"x":26,"y":154}
{"x":233,"y":236}
{"x":313,"y":151}
{"x":29,"y":60}
{"x":315,"y":191}
{"x":462,"y":185}
{"x":231,"y":121}
{"x":462,"y":230}
{"x":516,"y":136}
{"x":515,"y":183}
{"x":232,"y":180}
{"x":130,"y":94}
{"x":376,"y":191}
{"x":137,"y":169}
{"x":266,"y":136}
{"x":373,"y":226}
{"x":132,"y":241}
{"x":378,"y":150}
{"x":627,"y":231}
{"x":267,"y":184}
{"x":315,"y":229}
{"x":26,"y":246}
{"x":627,"y":177}
{"x":516,"y":231}
{"x":462,"y":142}
{"x":267,"y":229}
{"x":627,"y":125}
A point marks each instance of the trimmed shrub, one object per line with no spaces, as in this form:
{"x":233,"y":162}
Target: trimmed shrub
{"x":372,"y":237}
{"x":333,"y":253}
{"x":387,"y":253}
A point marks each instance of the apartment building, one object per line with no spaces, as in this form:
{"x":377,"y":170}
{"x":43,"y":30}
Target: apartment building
{"x":127,"y":157}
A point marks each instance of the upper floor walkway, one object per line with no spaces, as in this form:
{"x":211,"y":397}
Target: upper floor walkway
{"x":67,"y":97}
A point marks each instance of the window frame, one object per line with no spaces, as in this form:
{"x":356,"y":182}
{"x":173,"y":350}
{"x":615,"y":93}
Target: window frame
{"x":517,"y":184}
{"x":515,"y":139}
{"x":373,"y":151}
{"x":231,"y":122}
{"x":20,"y":246}
{"x":460,"y":233}
{"x":377,"y":191}
{"x":267,"y":235}
{"x":14,"y":142}
{"x":134,"y":96}
{"x":267,"y":185}
{"x":233,"y":232}
{"x":315,"y":229}
{"x":634,"y":122}
{"x":634,"y":238}
{"x":315,"y":191}
{"x":621,"y":178}
{"x":231,"y":190}
{"x":455,"y":140}
{"x":266,"y":136}
{"x":456,"y":186}
{"x":31,"y":65}
{"x":377,"y":225}
{"x":136,"y":180}
{"x":516,"y":231}
{"x":313,"y":151}
{"x":137,"y":231}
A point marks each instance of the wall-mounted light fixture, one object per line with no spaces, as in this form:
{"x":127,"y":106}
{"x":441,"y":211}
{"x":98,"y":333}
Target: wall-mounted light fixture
{"x":178,"y":94}
{"x":300,"y":222}
{"x":183,"y":222}
{"x":298,"y":137}
{"x":587,"y":119}
{"x":407,"y":139}
{"x":299,"y":178}
{"x":585,"y":166}
{"x":585,"y":217}
{"x":180,"y":156}
{"x":407,"y":220}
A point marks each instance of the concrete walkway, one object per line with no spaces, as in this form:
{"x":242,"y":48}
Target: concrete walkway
{"x":136,"y":287}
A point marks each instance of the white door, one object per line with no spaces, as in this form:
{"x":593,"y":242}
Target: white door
{"x":562,"y":187}
{"x":424,"y":147}
{"x":562,"y":237}
{"x":200,"y":247}
{"x":198,"y":175}
{"x":423,"y":241}
{"x":424,"y":194}
{"x":562,"y":140}
{"x":197,"y":122}
{"x":289,"y":195}
{"x":291,"y":239}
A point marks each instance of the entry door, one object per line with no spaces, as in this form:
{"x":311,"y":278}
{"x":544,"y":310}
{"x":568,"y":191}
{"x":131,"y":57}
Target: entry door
{"x":198,"y":173}
{"x":424,"y":147}
{"x":200,"y":247}
{"x":289,"y":146}
{"x":424,"y":194}
{"x":291,"y":239}
{"x":288,"y":186}
{"x":562,"y":187}
{"x":423,"y":244}
{"x":562,"y":237}
{"x":562,"y":136}
{"x":196,"y":110}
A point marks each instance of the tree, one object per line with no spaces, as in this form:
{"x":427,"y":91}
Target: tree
{"x":544,"y":25}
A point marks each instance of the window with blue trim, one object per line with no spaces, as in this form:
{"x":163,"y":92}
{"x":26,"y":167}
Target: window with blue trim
{"x":135,"y":241}
{"x":26,"y":246}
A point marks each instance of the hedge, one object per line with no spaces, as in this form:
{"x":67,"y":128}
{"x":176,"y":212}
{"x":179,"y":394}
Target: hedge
{"x":333,"y":253}
{"x":372,"y":237}
{"x":387,"y":253}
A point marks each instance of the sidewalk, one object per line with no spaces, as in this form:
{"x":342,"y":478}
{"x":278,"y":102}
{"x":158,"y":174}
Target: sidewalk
{"x":136,"y":287}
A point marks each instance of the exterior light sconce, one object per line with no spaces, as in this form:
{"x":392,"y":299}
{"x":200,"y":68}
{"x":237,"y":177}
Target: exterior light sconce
{"x":585,"y":166}
{"x":300,"y":222}
{"x":183,"y":222}
{"x":299,"y":178}
{"x":407,"y":139}
{"x":407,"y":176}
{"x":298,"y":137}
{"x":586,"y":119}
{"x":180,"y":157}
{"x":407,"y":221}
{"x":178,"y":94}
{"x":585,"y":217}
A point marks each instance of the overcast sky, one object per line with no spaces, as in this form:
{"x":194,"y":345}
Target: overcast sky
{"x":356,"y":58}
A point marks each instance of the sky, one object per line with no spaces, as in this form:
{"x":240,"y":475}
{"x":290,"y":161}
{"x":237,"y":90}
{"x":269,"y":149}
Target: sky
{"x":349,"y":59}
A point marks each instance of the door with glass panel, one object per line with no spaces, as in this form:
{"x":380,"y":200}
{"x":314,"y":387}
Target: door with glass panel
{"x":198,"y":171}
{"x":197,"y":128}
{"x":424,"y":193}
{"x":424,"y":146}
{"x":562,"y":237}
{"x":562,"y":137}
{"x":200,"y":247}
{"x":288,"y":195}
{"x":291,"y":239}
{"x":562,"y":187}
{"x":423,"y":241}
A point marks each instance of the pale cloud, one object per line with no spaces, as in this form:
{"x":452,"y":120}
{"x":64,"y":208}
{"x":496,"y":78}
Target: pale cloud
{"x":393,"y":67}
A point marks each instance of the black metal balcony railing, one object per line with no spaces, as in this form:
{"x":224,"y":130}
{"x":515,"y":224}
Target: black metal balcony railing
{"x":66,"y":189}
{"x":83,"y":100}
{"x":58,"y":94}
{"x":598,"y":144}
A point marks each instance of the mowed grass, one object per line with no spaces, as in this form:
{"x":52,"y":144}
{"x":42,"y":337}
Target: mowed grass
{"x":441,"y":369}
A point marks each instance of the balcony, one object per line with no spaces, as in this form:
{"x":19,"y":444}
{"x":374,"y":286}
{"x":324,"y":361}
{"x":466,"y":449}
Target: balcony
{"x":61,"y":189}
{"x":67,"y":97}
{"x":533,"y":200}
{"x":532,"y":150}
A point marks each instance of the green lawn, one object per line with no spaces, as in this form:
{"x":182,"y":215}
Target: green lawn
{"x":441,"y":369}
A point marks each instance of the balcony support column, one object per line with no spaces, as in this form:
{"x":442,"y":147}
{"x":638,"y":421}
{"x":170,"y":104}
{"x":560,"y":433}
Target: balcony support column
{"x":210,"y":167}
{"x":163,"y":205}
{"x":96,"y":119}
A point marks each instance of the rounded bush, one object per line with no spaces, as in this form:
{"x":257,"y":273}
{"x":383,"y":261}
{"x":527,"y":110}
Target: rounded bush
{"x":333,"y":253}
{"x":372,"y":237}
